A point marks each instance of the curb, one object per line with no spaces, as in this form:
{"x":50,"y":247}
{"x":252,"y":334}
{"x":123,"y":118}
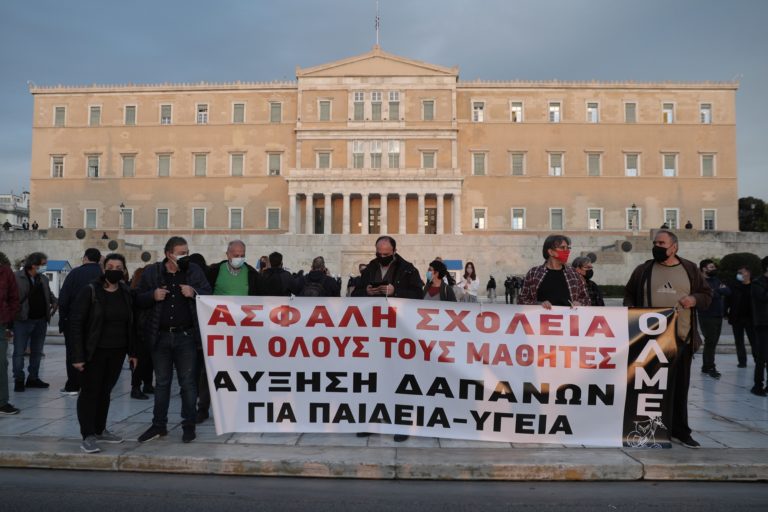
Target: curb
{"x":525,"y":464}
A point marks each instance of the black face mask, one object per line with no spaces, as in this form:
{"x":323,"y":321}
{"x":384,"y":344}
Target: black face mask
{"x":113,"y":276}
{"x":384,"y":261}
{"x":659,"y":253}
{"x":589,"y":274}
{"x":183,"y":263}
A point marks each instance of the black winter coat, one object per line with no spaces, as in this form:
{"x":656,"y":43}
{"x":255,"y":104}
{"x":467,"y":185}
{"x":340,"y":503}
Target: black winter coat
{"x":406,"y":279}
{"x":153,"y":278}
{"x":87,"y":321}
{"x":212,"y":274}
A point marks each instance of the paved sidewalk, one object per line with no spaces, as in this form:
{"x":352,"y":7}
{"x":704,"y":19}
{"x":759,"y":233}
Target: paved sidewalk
{"x":730,"y":423}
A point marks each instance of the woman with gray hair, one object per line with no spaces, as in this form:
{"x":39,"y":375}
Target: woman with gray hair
{"x":583,"y":267}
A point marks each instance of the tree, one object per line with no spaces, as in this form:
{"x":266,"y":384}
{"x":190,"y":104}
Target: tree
{"x":753,"y":214}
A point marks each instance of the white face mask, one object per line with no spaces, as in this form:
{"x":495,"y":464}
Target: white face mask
{"x":237,"y":262}
{"x":740,"y":277}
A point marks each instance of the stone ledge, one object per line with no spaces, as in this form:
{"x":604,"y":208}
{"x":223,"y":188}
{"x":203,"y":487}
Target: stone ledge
{"x":711,"y":464}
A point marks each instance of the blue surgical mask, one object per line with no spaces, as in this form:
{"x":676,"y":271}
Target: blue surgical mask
{"x":429,"y":276}
{"x":740,"y":278}
{"x":42,"y":268}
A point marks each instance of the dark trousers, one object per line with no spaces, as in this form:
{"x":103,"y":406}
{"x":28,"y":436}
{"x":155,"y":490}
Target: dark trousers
{"x":175,"y":350}
{"x":675,"y":413}
{"x":96,"y":383}
{"x":203,"y":393}
{"x":739,"y":329}
{"x":760,"y":352}
{"x":144,"y":370}
{"x":73,"y":374}
{"x":710,"y":330}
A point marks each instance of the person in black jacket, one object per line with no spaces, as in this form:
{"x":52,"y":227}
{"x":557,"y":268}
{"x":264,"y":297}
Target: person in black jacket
{"x":389,"y":275}
{"x":241,"y":278}
{"x":275,"y":281}
{"x":102,"y":332}
{"x":75,"y":282}
{"x":232,"y":276}
{"x":760,"y":321}
{"x":317,"y":283}
{"x":392,"y":275}
{"x":739,"y":313}
{"x":168,"y":290}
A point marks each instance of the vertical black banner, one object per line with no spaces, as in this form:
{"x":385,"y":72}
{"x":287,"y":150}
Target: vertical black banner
{"x":652,"y":349}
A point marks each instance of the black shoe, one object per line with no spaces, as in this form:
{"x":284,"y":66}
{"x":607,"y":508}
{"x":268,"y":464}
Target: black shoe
{"x":686,"y":441}
{"x":201,"y":416}
{"x":363,"y":434}
{"x":189,"y":434}
{"x":399,"y":438}
{"x":37,"y":383}
{"x":714,"y":373}
{"x":151,"y":433}
{"x":19,"y":385}
{"x":9,"y":409}
{"x":741,"y":365}
{"x":149,"y":389}
{"x":137,"y":394}
{"x":759,"y":391}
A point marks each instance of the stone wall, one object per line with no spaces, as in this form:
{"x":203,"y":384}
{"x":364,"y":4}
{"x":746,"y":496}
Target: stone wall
{"x":498,"y":255}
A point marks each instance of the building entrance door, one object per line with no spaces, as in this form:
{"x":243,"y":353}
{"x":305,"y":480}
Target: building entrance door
{"x":374,"y":219}
{"x":430,"y":221}
{"x":319,"y":221}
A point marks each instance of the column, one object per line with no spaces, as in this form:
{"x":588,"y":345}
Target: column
{"x":328,"y":219}
{"x":345,"y":214}
{"x":310,"y":214}
{"x":440,"y":221}
{"x":420,"y":216}
{"x":364,"y":215}
{"x":383,"y":229}
{"x":456,"y":214}
{"x":402,"y":214}
{"x":292,"y":213}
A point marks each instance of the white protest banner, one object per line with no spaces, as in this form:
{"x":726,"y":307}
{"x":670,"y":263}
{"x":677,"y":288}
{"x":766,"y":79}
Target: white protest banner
{"x":400,"y":366}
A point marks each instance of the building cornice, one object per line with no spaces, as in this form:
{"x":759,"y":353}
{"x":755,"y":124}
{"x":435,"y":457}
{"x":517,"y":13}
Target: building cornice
{"x":565,"y":84}
{"x":163,"y":87}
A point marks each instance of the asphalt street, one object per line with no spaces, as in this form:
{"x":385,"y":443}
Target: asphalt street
{"x":46,"y":490}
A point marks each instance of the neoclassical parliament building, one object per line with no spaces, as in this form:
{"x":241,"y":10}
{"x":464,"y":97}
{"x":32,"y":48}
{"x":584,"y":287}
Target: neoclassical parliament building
{"x":379,"y":143}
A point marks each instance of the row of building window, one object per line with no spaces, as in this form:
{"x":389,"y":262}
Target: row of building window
{"x":633,"y":218}
{"x":162,"y":218}
{"x":369,"y":155}
{"x":555,"y":111}
{"x":373,"y":110}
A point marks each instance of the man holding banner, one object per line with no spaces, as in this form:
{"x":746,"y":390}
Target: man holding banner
{"x":670,"y":281}
{"x":389,"y":275}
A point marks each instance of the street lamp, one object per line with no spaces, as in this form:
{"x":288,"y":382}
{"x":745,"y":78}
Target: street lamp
{"x":122,"y":210}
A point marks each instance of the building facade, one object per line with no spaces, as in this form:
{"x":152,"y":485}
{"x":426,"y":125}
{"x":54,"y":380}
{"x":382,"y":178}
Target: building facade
{"x":382,"y":144}
{"x":14,"y":210}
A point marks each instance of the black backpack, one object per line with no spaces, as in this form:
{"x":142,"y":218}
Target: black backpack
{"x":312,"y":289}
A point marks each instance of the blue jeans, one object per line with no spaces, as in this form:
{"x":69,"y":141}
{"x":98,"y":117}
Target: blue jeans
{"x":3,"y":367}
{"x":175,"y":350}
{"x":32,"y":333}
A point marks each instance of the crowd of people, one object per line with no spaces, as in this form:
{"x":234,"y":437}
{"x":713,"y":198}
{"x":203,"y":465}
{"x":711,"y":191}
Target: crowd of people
{"x":106,"y":315}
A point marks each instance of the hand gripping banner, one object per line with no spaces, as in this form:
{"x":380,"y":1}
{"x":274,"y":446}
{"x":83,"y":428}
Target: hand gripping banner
{"x":522,"y":374}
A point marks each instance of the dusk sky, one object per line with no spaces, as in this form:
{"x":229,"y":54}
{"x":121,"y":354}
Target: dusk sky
{"x":81,"y":42}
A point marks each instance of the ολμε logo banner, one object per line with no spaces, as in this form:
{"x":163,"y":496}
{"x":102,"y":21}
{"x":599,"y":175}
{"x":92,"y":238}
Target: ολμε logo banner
{"x":491,"y":372}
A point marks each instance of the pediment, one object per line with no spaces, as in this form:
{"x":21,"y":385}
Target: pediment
{"x":376,"y":63}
